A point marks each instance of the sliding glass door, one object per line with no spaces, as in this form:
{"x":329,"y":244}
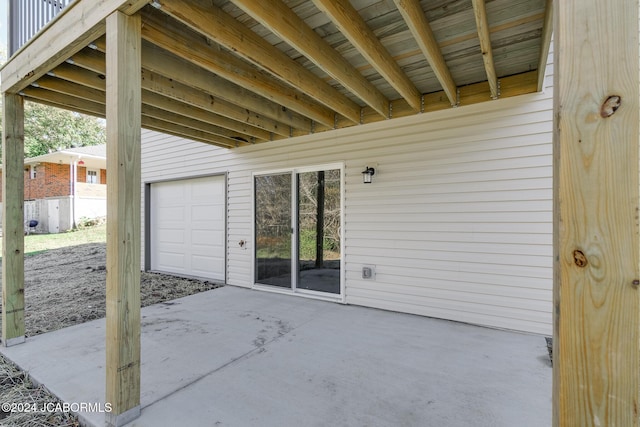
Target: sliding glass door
{"x":273,"y":229}
{"x":319,"y":231}
{"x":298,"y":230}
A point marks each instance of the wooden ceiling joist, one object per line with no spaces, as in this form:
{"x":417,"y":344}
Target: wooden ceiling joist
{"x":196,"y":51}
{"x":232,"y":127}
{"x":75,"y":74}
{"x":417,"y":22}
{"x":482,"y":23}
{"x":282,"y":21}
{"x":243,"y":120}
{"x":192,"y":123}
{"x":269,"y":70}
{"x":84,"y":106}
{"x":176,"y":91}
{"x":162,"y":62}
{"x":351,"y":24}
{"x":223,"y":29}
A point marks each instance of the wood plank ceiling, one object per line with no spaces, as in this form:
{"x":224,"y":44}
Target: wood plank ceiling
{"x":239,"y":72}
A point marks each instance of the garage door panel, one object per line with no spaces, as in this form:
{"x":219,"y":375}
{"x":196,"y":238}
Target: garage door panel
{"x":202,"y":265}
{"x":207,"y":213}
{"x":188,"y":227}
{"x":170,"y":236}
{"x":171,"y":261}
{"x":171,"y":213}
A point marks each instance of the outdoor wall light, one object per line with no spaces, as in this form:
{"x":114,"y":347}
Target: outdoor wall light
{"x":367,"y":173}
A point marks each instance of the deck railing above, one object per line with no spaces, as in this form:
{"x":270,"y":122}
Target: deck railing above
{"x":27,"y":17}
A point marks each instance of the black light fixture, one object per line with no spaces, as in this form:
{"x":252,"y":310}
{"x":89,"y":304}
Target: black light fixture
{"x":367,"y":173}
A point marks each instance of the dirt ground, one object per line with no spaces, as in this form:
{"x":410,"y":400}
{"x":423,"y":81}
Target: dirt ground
{"x":64,"y":287}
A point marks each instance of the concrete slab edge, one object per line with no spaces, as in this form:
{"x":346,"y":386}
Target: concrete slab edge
{"x":13,"y":341}
{"x":113,"y":420}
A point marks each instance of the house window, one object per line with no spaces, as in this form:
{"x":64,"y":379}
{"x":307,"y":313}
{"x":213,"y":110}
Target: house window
{"x":32,"y":172}
{"x":93,"y":177}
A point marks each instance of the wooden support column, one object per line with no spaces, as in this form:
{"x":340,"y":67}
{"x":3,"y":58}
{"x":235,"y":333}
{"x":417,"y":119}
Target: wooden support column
{"x":123,"y":114}
{"x":596,"y":362}
{"x":13,"y":220}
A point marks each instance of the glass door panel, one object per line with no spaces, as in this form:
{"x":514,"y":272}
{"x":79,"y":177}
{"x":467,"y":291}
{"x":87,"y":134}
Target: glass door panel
{"x":273,"y":230}
{"x":319,"y":231}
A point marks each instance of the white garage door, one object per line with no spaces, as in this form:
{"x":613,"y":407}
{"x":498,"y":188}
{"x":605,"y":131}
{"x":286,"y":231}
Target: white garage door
{"x":188,"y":227}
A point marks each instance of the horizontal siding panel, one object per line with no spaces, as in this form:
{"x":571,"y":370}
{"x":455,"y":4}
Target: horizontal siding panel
{"x":421,"y":248}
{"x":454,"y":267}
{"x":468,"y":227}
{"x":480,"y":217}
{"x":496,"y":320}
{"x":437,"y":236}
{"x":457,"y":221}
{"x":487,"y":283}
{"x":470,"y":300}
{"x":395,"y":256}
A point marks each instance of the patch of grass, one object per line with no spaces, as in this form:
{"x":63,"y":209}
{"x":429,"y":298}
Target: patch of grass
{"x":36,"y":243}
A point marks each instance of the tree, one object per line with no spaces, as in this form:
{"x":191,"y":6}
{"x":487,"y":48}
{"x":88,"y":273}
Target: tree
{"x":48,"y":129}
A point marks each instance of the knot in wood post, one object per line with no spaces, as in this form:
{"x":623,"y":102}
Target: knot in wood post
{"x":579,"y":258}
{"x":610,"y":105}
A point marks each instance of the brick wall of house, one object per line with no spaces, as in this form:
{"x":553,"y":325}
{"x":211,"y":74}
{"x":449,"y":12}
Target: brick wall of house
{"x":52,"y":180}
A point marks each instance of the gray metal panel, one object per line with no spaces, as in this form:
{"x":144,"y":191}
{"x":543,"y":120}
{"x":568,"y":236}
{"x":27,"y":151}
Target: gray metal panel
{"x":27,"y":17}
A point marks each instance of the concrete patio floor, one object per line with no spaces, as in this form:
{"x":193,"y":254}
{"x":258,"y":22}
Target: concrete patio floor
{"x":236,"y":357}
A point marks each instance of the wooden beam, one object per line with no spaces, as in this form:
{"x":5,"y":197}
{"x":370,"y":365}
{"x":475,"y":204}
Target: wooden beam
{"x":61,"y":106}
{"x":417,"y":22}
{"x":228,"y":99}
{"x":480,"y":13}
{"x":84,"y":106}
{"x":276,"y":16}
{"x":206,"y":19}
{"x":596,"y":357}
{"x":197,"y":53}
{"x":187,"y":132}
{"x":545,"y":42}
{"x":81,"y":76}
{"x":177,"y":91}
{"x":74,"y":28}
{"x":123,"y":218}
{"x":65,"y":101}
{"x":166,"y":64}
{"x":91,"y":59}
{"x":190,"y":122}
{"x":169,"y":88}
{"x":356,"y":30}
{"x":12,"y":220}
{"x":63,"y":86}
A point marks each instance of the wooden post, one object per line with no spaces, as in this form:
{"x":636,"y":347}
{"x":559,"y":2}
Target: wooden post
{"x":123,"y":217}
{"x":13,"y":220}
{"x":596,"y":361}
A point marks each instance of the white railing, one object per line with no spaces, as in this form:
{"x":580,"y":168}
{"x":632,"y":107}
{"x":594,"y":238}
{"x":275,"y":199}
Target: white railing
{"x":27,"y":17}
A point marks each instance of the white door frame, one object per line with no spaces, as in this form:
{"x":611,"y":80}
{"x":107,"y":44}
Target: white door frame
{"x":341,"y":297}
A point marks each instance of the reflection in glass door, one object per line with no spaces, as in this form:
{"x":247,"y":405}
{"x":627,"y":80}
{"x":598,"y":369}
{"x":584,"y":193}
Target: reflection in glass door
{"x":273,"y":229}
{"x":319,"y":231}
{"x":297,"y":230}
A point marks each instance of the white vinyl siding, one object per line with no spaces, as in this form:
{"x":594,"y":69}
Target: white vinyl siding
{"x":457,"y":221}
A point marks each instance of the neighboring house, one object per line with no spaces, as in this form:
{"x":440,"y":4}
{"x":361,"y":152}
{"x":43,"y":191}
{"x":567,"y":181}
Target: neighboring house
{"x":65,"y":186}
